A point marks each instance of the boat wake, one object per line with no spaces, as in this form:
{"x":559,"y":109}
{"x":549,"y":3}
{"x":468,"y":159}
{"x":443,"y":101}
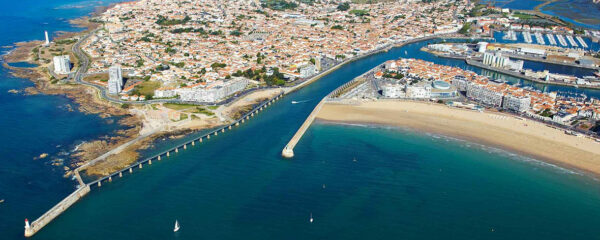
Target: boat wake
{"x":303,"y":101}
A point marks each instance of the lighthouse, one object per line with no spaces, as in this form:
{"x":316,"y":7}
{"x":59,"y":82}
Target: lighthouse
{"x":28,"y":231}
{"x":47,"y":39}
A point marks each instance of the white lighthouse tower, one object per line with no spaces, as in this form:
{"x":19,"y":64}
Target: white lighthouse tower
{"x":47,"y":39}
{"x":28,"y":231}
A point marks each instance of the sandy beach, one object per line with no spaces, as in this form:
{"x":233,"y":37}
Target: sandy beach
{"x":526,"y":137}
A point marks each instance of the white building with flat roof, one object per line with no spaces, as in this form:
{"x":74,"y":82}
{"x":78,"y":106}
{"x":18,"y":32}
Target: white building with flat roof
{"x":115,"y":79}
{"x":484,"y":95}
{"x":516,"y":103}
{"x":393,"y":91}
{"x":62,"y":64}
{"x":211,"y":93}
{"x":421,"y":91}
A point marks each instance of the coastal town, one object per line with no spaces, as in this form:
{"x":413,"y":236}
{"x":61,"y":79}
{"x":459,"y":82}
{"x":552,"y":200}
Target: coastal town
{"x":186,"y":71}
{"x":191,"y":49}
{"x":415,"y":79}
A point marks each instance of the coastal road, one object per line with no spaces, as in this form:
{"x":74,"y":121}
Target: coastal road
{"x":84,"y":65}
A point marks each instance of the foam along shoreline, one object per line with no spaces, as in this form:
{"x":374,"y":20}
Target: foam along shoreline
{"x":507,"y":132}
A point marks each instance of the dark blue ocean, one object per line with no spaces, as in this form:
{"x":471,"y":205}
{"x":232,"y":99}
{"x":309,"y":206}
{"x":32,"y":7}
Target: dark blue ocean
{"x":32,"y":125}
{"x":359,"y":181}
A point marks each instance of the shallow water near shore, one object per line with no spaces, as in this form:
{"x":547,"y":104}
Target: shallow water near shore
{"x":37,"y":124}
{"x":402,"y":184}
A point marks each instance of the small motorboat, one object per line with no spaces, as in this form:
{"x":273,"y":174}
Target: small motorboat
{"x":311,"y":218}
{"x":176,"y":226}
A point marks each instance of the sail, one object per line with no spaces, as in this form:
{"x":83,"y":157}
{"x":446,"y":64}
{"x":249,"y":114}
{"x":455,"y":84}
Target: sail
{"x":176,"y":226}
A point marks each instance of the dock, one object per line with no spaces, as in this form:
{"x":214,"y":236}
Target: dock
{"x":540,"y":38}
{"x":572,"y":41}
{"x":545,"y":60}
{"x":519,"y":75}
{"x":561,"y":40}
{"x":84,"y":188}
{"x":582,"y":42}
{"x":551,"y":38}
{"x":527,"y":37}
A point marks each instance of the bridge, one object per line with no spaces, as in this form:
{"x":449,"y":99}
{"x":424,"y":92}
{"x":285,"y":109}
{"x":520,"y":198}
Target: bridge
{"x":84,"y":188}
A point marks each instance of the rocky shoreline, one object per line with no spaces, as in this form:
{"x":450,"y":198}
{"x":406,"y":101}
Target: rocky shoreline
{"x":86,"y":97}
{"x":88,"y":101}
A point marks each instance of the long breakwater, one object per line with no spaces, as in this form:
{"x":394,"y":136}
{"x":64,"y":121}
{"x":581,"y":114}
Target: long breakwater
{"x":288,"y":150}
{"x":85,"y":188}
{"x":62,"y":206}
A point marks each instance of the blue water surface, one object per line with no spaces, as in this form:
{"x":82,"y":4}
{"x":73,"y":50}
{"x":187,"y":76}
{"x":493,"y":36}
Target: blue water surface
{"x":403,"y":184}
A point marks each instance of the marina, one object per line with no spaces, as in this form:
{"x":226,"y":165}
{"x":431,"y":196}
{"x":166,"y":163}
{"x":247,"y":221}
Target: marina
{"x":582,"y":42}
{"x":572,"y":41}
{"x":561,"y":40}
{"x":220,"y":186}
{"x":539,"y":38}
{"x":527,"y":37}
{"x":551,"y":38}
{"x":510,"y":35}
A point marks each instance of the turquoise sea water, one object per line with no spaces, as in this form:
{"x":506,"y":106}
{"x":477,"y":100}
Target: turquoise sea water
{"x":32,"y":125}
{"x":403,"y":184}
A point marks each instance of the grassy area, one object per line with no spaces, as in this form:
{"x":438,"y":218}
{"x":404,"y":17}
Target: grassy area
{"x":523,"y":16}
{"x":147,"y":88}
{"x":96,"y":77}
{"x":213,"y":107}
{"x":204,"y":111}
{"x":176,"y":106}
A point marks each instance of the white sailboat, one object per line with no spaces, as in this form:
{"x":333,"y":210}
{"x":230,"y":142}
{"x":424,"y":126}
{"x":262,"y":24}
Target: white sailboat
{"x":176,"y":226}
{"x":311,"y":218}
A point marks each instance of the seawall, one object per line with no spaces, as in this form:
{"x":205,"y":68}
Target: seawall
{"x":56,"y":210}
{"x":84,"y":189}
{"x":288,"y":150}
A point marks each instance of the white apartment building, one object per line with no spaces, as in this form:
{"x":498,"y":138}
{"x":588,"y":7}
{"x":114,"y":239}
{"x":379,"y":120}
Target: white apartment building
{"x":308,"y":70}
{"x":115,"y":79}
{"x":460,"y":82}
{"x":393,"y":91}
{"x":62,"y":64}
{"x":164,"y":93}
{"x":516,"y":103}
{"x":484,"y":95}
{"x":422,"y":91}
{"x":211,"y":93}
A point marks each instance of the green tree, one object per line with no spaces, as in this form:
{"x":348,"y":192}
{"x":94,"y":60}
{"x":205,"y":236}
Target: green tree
{"x":343,"y":6}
